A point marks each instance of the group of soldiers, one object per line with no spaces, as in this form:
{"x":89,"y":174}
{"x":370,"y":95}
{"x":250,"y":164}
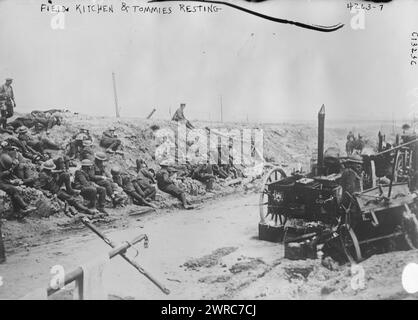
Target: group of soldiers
{"x":26,"y":160}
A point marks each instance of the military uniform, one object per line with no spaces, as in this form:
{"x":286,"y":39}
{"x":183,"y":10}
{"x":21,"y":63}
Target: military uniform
{"x":97,"y":175}
{"x":87,"y":153}
{"x":179,"y":117}
{"x":6,"y":177}
{"x":76,"y":144}
{"x":166,"y":185}
{"x":142,"y":184}
{"x":110,"y":141}
{"x":6,"y":92}
{"x":204,"y":173}
{"x":53,"y":182}
{"x":26,"y":151}
{"x":38,"y":145}
{"x":124,"y":181}
{"x":89,"y":190}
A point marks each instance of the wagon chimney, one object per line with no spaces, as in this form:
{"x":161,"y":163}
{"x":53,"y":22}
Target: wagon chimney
{"x":321,"y":133}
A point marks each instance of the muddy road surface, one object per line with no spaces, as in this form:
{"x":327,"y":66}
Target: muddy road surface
{"x":212,"y":252}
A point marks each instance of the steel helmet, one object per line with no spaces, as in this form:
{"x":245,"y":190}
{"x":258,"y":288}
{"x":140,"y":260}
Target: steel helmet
{"x":48,"y":165}
{"x":166,"y":163}
{"x":86,"y":163}
{"x":100,"y":156}
{"x":87,"y":143}
{"x":81,"y":136}
{"x":115,"y":171}
{"x":6,"y":161}
{"x":22,"y":129}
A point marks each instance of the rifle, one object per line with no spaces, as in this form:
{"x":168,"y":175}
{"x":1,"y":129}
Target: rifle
{"x":85,"y":221}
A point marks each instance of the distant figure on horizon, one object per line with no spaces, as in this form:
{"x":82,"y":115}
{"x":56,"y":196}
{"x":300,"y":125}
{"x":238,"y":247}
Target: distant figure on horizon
{"x":7,"y":102}
{"x":179,"y":116}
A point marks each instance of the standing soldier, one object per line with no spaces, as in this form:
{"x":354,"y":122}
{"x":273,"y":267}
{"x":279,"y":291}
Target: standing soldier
{"x":3,"y":114}
{"x":179,"y":116}
{"x":89,"y":190}
{"x":6,"y":91}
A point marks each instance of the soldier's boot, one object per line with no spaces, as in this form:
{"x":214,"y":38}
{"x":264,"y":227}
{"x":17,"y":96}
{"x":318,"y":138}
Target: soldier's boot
{"x":90,"y":195}
{"x":65,"y":178}
{"x":150,"y":193}
{"x":20,"y":207}
{"x":185,"y":203}
{"x":138,"y":199}
{"x":101,"y":199}
{"x":83,"y":208}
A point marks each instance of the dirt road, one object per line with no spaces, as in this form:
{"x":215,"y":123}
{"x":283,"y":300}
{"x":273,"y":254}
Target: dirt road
{"x":207,"y":253}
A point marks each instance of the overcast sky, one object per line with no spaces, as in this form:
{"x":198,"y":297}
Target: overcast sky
{"x":267,"y":71}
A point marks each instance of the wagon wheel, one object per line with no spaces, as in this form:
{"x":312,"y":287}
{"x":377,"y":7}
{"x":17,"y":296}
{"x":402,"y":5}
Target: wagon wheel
{"x":370,"y":176}
{"x":350,"y":244}
{"x":270,"y":201}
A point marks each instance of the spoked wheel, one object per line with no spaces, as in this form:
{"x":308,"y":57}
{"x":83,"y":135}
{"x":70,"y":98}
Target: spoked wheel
{"x":350,"y":244}
{"x":369,"y":180}
{"x":271,"y":208}
{"x":401,"y":167}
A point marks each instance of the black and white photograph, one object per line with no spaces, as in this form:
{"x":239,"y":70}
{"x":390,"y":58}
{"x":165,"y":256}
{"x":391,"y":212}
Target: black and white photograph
{"x":215,"y":151}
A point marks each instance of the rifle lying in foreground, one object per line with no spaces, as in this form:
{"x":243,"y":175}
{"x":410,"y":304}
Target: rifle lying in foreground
{"x":85,"y":220}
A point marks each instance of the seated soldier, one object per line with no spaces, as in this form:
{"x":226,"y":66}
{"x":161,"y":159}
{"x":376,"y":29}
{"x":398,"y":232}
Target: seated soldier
{"x":219,"y":171}
{"x":21,"y":166}
{"x":352,"y":175}
{"x":39,"y":144}
{"x":144,"y":180}
{"x":23,"y":170}
{"x":86,"y":151}
{"x":110,"y":141}
{"x":62,"y":163}
{"x":76,"y":143}
{"x":51,"y":180}
{"x":204,"y":174}
{"x":26,"y":151}
{"x":22,"y":121}
{"x":102,"y":178}
{"x":8,"y":183}
{"x":124,"y":181}
{"x":46,"y":119}
{"x":89,"y":190}
{"x":165,"y":184}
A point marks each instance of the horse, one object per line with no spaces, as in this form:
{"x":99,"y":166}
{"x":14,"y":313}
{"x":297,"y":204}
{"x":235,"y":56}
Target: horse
{"x":354,"y":146}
